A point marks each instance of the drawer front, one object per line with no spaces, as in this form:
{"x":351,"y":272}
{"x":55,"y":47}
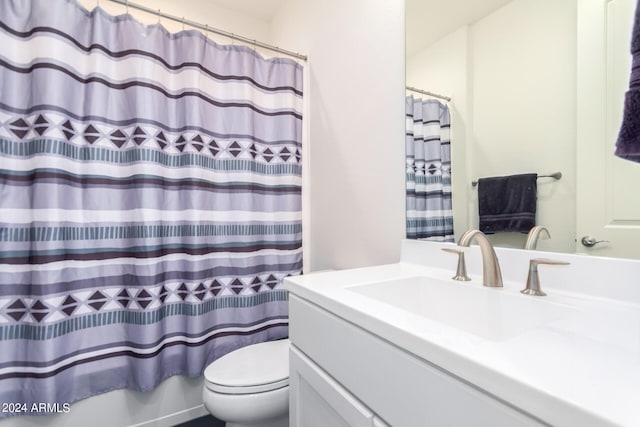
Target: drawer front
{"x":317,"y":400}
{"x":400,"y":388}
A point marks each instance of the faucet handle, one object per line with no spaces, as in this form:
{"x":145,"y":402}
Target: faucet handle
{"x":461,"y":270}
{"x":533,"y":280}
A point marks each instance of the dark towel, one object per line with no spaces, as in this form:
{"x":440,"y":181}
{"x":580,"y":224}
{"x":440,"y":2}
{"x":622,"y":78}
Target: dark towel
{"x":507,"y":203}
{"x":628,"y":143}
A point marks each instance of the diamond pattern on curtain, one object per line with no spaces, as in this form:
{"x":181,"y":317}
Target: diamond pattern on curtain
{"x":428,"y":170}
{"x":150,"y":200}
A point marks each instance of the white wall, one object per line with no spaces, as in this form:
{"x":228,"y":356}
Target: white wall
{"x":202,"y":11}
{"x":356,"y":126}
{"x":521,"y":115}
{"x":355,"y":182}
{"x":524,"y":120}
{"x":176,"y":400}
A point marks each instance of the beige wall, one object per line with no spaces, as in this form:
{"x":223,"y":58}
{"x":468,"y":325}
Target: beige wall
{"x":517,"y":109}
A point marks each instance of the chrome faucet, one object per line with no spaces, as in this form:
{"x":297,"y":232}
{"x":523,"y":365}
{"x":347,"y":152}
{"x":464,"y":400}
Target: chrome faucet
{"x":491,"y":274}
{"x":536,"y":232}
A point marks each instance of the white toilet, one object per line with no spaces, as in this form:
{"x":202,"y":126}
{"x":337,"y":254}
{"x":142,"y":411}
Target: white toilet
{"x":250,"y":386}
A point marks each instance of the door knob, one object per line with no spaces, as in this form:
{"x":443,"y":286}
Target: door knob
{"x":590,"y":241}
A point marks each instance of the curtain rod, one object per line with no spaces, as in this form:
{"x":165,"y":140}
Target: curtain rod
{"x":207,"y":28}
{"x":424,"y":92}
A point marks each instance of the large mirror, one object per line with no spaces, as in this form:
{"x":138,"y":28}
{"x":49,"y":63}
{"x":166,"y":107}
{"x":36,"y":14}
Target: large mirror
{"x":535,"y":86}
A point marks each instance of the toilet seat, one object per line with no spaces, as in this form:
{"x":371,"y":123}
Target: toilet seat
{"x":257,"y":368}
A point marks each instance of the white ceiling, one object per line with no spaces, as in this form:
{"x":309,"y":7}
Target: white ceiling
{"x":429,"y":20}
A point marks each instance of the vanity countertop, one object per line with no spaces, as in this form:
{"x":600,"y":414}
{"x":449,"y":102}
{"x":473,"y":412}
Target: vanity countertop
{"x":582,"y":368}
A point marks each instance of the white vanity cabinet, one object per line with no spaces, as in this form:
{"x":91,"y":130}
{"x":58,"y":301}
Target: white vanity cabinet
{"x":342,"y":375}
{"x":318,"y":400}
{"x":405,"y":345}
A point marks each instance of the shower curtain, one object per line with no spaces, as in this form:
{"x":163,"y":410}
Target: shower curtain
{"x":150,"y":201}
{"x":428,"y":170}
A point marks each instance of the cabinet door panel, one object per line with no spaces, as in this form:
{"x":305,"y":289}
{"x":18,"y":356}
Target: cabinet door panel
{"x":400,"y":388}
{"x":377,"y":422}
{"x":317,"y":400}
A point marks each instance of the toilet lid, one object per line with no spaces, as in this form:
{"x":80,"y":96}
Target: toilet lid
{"x":253,"y":369}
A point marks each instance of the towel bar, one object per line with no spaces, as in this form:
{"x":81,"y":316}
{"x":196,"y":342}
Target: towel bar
{"x":555,"y":175}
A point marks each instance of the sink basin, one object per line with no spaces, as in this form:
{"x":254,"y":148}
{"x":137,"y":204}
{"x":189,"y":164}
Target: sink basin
{"x":492,"y":313}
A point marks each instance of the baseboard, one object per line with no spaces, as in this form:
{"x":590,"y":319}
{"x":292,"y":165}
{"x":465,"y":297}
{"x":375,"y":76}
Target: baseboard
{"x":175,"y":418}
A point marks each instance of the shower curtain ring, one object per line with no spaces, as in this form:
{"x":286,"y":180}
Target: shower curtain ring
{"x":127,"y":4}
{"x":183,"y":23}
{"x":158,"y":16}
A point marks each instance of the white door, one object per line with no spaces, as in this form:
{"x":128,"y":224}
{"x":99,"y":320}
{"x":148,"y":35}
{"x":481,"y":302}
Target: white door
{"x":608,"y":192}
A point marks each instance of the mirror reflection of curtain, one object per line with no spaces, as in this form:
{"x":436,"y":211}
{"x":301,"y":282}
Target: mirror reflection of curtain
{"x":428,"y":170}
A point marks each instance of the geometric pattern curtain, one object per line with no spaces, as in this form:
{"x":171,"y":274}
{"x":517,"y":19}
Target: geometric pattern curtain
{"x":150,"y":200}
{"x":428,"y":170}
